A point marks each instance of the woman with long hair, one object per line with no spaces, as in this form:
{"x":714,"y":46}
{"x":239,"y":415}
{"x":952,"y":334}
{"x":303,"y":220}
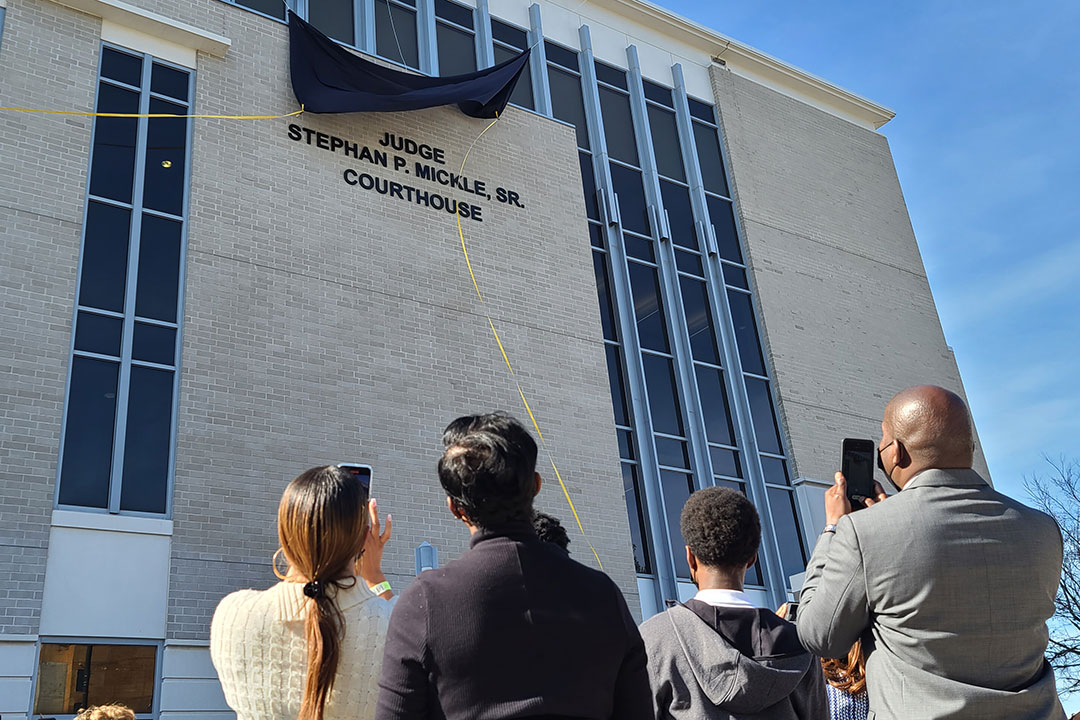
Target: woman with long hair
{"x":845,"y":683}
{"x":310,"y":647}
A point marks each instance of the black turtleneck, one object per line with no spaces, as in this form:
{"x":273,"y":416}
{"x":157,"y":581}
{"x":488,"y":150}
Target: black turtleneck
{"x":513,"y":629}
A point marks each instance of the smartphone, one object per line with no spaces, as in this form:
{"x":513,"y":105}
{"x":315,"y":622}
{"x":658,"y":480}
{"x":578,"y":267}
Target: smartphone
{"x":792,"y":611}
{"x":857,"y":464}
{"x":361,"y":472}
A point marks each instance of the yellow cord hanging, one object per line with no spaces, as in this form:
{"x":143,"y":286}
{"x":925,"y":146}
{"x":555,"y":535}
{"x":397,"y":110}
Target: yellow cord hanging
{"x":506,"y":359}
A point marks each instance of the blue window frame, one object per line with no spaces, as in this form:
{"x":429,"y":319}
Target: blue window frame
{"x":120,"y":412}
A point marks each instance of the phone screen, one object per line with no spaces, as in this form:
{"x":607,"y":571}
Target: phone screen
{"x":857,"y":465}
{"x":361,"y":472}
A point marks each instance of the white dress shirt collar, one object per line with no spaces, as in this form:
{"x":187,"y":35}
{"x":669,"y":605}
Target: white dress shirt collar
{"x":719,"y":597}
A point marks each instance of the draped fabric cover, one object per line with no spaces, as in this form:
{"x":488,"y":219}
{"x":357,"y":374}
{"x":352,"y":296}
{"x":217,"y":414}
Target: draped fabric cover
{"x":327,"y":78}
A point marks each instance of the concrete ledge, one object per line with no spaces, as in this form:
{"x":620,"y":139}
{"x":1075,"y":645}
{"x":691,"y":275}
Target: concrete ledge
{"x":152,"y":23}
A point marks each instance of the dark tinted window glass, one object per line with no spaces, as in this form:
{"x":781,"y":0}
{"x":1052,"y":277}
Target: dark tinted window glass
{"x":735,"y":276}
{"x":121,"y":66}
{"x":761,"y":409}
{"x":746,"y":336}
{"x":788,"y":537}
{"x":712,"y":167}
{"x":725,"y":462}
{"x":166,"y":142}
{"x":154,"y":343}
{"x":615,"y":380}
{"x":159,"y":269}
{"x":588,"y":184}
{"x":701,"y":111}
{"x":273,"y":8}
{"x":723,"y":222}
{"x":333,"y":17}
{"x":395,"y":33}
{"x":88,"y":435}
{"x":169,"y":81}
{"x":454,"y":13}
{"x":611,"y":76}
{"x":98,"y":334}
{"x":714,"y":405}
{"x":672,"y":453}
{"x":618,"y":125}
{"x":80,"y":676}
{"x":104,"y":260}
{"x":676,"y":487}
{"x":457,"y":53}
{"x":699,"y":321}
{"x":666,"y":145}
{"x":688,"y":262}
{"x":146,"y":450}
{"x":561,"y":56}
{"x":638,"y":247}
{"x":775,"y":470}
{"x":566,"y":104}
{"x":596,"y":236}
{"x":676,"y":199}
{"x":631,"y":194}
{"x":626,"y":444}
{"x":522,"y":94}
{"x":657,"y":93}
{"x":509,"y":34}
{"x":663,"y":400}
{"x":648,"y":309}
{"x":112,"y":170}
{"x":634,"y":504}
{"x":603,"y":290}
{"x":753,"y":575}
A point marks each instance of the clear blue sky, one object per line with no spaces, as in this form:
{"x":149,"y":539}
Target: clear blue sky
{"x":985,"y":140}
{"x":987,"y":96}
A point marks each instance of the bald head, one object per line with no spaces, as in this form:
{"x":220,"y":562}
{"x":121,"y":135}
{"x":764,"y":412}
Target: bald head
{"x":934,"y":426}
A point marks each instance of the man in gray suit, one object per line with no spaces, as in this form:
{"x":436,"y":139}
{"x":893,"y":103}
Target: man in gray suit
{"x":949,"y":583}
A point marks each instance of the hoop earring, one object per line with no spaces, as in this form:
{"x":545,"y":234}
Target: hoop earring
{"x":274,"y":563}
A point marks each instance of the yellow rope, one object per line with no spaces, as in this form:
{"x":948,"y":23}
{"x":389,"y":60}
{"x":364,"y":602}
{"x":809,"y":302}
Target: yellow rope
{"x":506,"y":359}
{"x":152,"y":115}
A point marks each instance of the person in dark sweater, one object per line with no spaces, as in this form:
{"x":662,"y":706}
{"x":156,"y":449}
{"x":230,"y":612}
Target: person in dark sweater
{"x":514,"y":628}
{"x":718,"y":656}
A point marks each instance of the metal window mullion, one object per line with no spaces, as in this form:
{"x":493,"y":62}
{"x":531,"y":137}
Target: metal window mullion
{"x":485,"y":43}
{"x":366,"y":37}
{"x":538,"y":63}
{"x":663,"y":566}
{"x":733,"y":375}
{"x":123,"y":389}
{"x":685,"y":377}
{"x":300,"y":8}
{"x":425,"y":31}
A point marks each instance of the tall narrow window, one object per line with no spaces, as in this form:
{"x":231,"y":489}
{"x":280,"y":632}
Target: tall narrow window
{"x":333,"y":17}
{"x":455,"y":36}
{"x":509,"y":42}
{"x":120,"y":413}
{"x":396,"y":37}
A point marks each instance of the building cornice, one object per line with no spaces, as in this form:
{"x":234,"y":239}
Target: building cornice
{"x":154,"y":24}
{"x":750,"y":62}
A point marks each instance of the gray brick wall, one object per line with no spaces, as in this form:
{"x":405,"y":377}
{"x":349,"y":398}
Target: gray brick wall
{"x":848,"y":315}
{"x":48,"y":59}
{"x":324,"y":322}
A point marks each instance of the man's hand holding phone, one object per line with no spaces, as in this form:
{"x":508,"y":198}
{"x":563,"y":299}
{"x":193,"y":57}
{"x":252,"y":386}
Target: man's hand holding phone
{"x":837,"y":503}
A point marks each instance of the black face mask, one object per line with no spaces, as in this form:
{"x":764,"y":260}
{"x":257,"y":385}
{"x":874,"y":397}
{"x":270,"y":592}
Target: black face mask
{"x":881,"y":467}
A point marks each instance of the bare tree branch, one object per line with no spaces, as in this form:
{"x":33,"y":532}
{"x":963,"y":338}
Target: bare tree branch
{"x":1058,"y":494}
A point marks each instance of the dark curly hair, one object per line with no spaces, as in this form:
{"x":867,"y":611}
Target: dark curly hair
{"x":549,"y":529}
{"x":721,"y":527}
{"x":489,"y":469}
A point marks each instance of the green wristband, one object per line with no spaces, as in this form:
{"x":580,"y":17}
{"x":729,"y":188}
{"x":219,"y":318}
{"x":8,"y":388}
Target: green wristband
{"x":379,"y":589}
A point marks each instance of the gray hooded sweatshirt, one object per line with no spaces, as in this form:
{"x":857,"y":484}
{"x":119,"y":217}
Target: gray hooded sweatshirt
{"x":709,"y":663}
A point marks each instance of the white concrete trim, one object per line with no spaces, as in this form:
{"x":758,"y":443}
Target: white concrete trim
{"x":747,"y":61}
{"x":151,"y":23}
{"x":3,"y":3}
{"x":124,"y":36}
{"x":112,"y":523}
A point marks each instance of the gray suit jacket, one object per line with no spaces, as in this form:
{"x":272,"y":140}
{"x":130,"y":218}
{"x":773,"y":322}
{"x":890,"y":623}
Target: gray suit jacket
{"x":949,"y":584}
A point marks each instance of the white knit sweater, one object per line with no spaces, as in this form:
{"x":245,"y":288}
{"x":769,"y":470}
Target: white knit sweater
{"x":258,"y":647}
